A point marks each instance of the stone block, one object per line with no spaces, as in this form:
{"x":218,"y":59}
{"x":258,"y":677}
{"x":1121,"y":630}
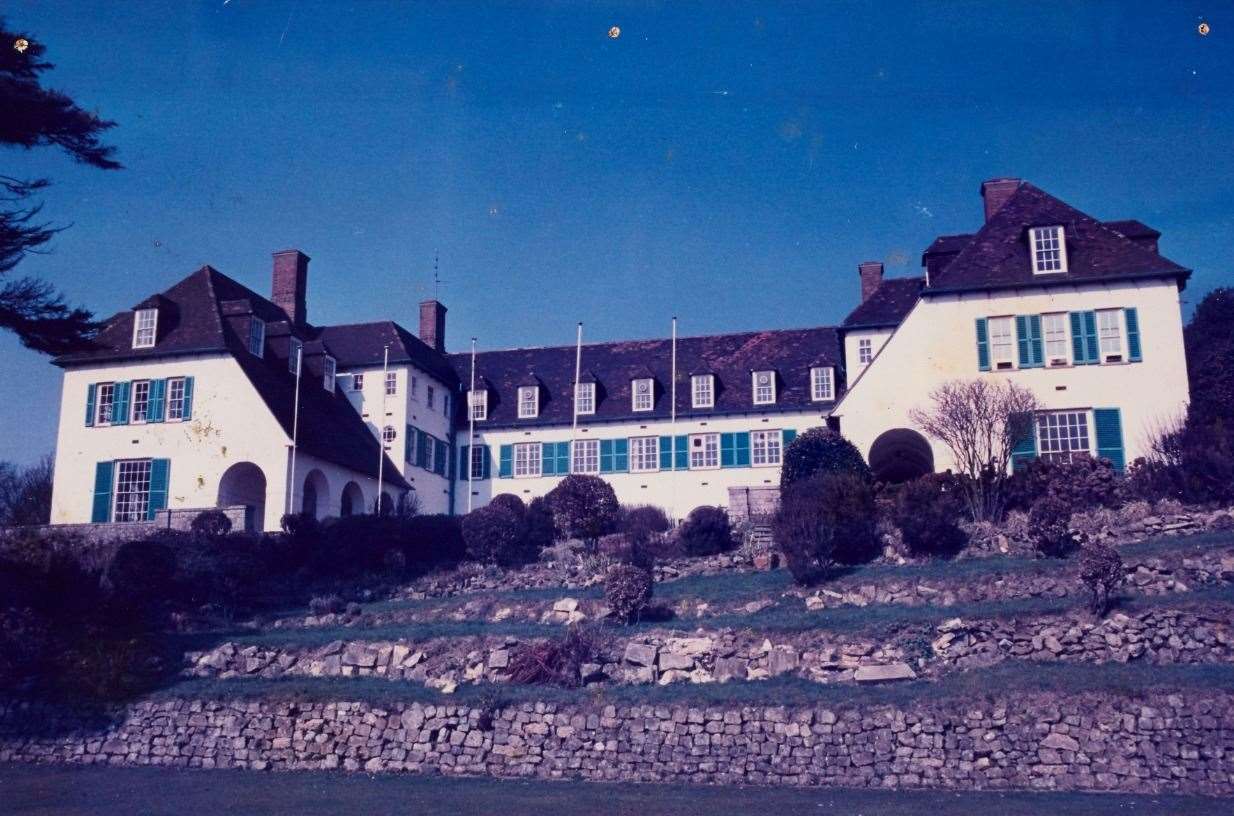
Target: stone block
{"x":884,"y":673}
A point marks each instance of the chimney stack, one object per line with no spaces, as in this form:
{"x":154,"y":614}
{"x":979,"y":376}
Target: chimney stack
{"x":289,"y":288}
{"x":433,"y":324}
{"x":995,"y":193}
{"x":871,"y":273}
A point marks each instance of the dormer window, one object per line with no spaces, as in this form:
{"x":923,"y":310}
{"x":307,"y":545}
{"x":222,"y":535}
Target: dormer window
{"x":327,"y":376}
{"x":822,"y":383}
{"x":528,"y":402}
{"x":145,"y":326}
{"x":585,"y":398}
{"x":294,"y":351}
{"x":257,"y":337}
{"x":357,"y":382}
{"x":702,"y":391}
{"x":764,"y":387}
{"x":1049,"y":250}
{"x":478,"y":400}
{"x":642,"y":394}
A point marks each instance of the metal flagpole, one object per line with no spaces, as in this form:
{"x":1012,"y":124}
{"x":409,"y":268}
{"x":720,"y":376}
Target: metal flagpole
{"x":381,"y":428}
{"x":295,"y":429}
{"x":471,"y":424}
{"x":578,"y":366}
{"x":672,"y":423}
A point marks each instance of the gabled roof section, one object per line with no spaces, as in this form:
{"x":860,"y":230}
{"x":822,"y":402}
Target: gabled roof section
{"x":998,"y":255}
{"x":888,"y":306}
{"x":360,"y":345}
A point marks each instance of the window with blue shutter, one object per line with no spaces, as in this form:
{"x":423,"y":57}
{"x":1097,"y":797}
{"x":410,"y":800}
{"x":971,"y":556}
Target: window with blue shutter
{"x":1024,"y":429}
{"x":728,"y":450}
{"x":464,"y":461}
{"x":440,"y":456}
{"x":90,"y":391}
{"x":188,"y":398}
{"x":789,"y":436}
{"x":486,"y":464}
{"x":1084,"y":349}
{"x":742,"y":441}
{"x":120,"y":404}
{"x":563,"y":458}
{"x":607,"y":458}
{"x":1133,"y":335}
{"x":548,"y":459}
{"x":621,"y":455}
{"x":505,"y":466}
{"x":682,"y":446}
{"x":160,"y":473}
{"x":421,"y":449}
{"x":1031,"y":354}
{"x":158,"y":401}
{"x":1109,"y":431}
{"x":666,"y":453}
{"x":983,"y":345}
{"x":1090,"y":338}
{"x":101,"y":510}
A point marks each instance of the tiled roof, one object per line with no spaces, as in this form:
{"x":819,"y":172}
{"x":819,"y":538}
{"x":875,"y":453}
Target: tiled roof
{"x":889,"y":304}
{"x":729,"y":357}
{"x":998,"y":256}
{"x":359,"y":345}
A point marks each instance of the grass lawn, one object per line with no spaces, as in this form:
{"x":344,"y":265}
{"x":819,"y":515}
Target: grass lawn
{"x":69,"y":791}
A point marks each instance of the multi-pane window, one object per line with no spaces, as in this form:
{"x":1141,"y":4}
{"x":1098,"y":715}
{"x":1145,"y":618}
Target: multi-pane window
{"x":527,"y":459}
{"x":765,"y":447}
{"x":175,"y":398}
{"x":586,"y":456}
{"x":822,"y":383}
{"x":1002,"y":341}
{"x":141,"y":400}
{"x":585,"y":398}
{"x":145,"y":322}
{"x":1109,"y":330}
{"x":132,"y":490}
{"x":528,"y":402}
{"x":1063,"y":435}
{"x":357,"y":382}
{"x":429,"y":394}
{"x":702,"y":387}
{"x":293,"y":355}
{"x":479,"y":404}
{"x":409,"y":444}
{"x":704,"y":451}
{"x":327,"y":376}
{"x":388,"y":435}
{"x":1054,"y":329}
{"x":391,"y":383}
{"x":105,"y":399}
{"x":476,"y":457}
{"x":430,"y":444}
{"x":764,"y":387}
{"x":1049,"y":249}
{"x":257,"y":336}
{"x":642,"y":394}
{"x":644,"y":453}
{"x":865,"y":350}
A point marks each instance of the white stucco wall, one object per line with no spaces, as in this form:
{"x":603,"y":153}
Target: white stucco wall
{"x":937,"y":343}
{"x":852,"y":346}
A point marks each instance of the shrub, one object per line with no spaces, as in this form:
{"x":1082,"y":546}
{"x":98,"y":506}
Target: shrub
{"x":493,"y":534}
{"x":644,"y":520}
{"x":1083,"y":484}
{"x":327,"y":605}
{"x":928,"y":512}
{"x":143,"y":572}
{"x":211,"y":523}
{"x":1049,"y":527}
{"x":433,"y":541}
{"x":706,"y":531}
{"x":540,"y":532}
{"x":510,"y":502}
{"x":555,"y":662}
{"x":627,"y":588}
{"x":584,"y":507}
{"x":821,"y":450}
{"x":826,"y":519}
{"x":1101,"y":572}
{"x":302,"y":526}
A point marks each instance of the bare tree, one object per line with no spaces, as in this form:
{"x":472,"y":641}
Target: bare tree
{"x":981,"y":421}
{"x":25,"y":493}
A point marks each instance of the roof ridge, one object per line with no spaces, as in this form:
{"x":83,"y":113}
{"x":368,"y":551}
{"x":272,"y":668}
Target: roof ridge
{"x":649,"y":340}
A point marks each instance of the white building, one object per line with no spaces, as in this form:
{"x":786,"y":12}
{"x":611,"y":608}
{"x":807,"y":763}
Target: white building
{"x":189,"y":399}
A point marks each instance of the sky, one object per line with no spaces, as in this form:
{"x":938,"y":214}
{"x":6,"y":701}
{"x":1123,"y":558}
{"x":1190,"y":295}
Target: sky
{"x":726,"y":163}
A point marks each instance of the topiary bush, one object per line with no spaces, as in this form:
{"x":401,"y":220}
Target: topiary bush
{"x":510,"y":502}
{"x":493,"y":534}
{"x":584,"y":507}
{"x":556,"y":662}
{"x":1049,"y":527}
{"x":1101,"y":573}
{"x":211,"y":523}
{"x":644,"y":520}
{"x":628,"y":588}
{"x":821,"y":450}
{"x":928,"y":512}
{"x":827,"y":519}
{"x":706,"y":531}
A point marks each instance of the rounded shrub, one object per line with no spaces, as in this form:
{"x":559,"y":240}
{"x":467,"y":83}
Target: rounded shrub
{"x":706,"y":531}
{"x":492,"y":534}
{"x":143,"y":572}
{"x":511,"y":502}
{"x":1049,"y":527}
{"x":211,"y":523}
{"x":821,"y":450}
{"x":628,"y":588}
{"x":584,"y":507}
{"x":928,"y":512}
{"x":830,"y":518}
{"x":1101,"y":572}
{"x":644,"y":520}
{"x":540,"y":532}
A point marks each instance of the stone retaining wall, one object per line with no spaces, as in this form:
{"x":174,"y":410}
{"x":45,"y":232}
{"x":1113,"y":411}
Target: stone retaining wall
{"x":1158,"y":743}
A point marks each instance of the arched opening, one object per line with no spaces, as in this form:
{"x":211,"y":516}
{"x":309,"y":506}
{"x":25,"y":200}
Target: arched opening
{"x":352,"y":501}
{"x":900,"y":455}
{"x":244,"y":483}
{"x":315,"y":497}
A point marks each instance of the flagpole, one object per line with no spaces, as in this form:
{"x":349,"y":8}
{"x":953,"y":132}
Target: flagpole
{"x":471,"y":424}
{"x":578,"y":370}
{"x":672,"y":423}
{"x":295,"y":429}
{"x":381,"y":428}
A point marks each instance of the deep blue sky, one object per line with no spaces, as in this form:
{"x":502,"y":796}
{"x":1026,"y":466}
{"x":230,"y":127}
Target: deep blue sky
{"x":730,"y":164}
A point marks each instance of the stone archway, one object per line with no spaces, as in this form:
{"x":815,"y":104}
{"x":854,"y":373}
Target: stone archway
{"x":900,"y":455}
{"x":351,"y":503}
{"x":244,"y":484}
{"x":315,"y":496}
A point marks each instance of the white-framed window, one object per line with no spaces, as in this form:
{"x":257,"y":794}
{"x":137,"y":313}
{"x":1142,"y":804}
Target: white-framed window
{"x":415,"y":387}
{"x":475,"y":455}
{"x":429,"y":394}
{"x":865,"y":350}
{"x":1002,"y":342}
{"x":145,"y":327}
{"x":644,"y":454}
{"x":294,"y":350}
{"x":175,"y":399}
{"x":1049,"y":249}
{"x":586,"y":456}
{"x":430,"y":442}
{"x":141,"y":401}
{"x":1054,"y":330}
{"x":765,"y":447}
{"x":257,"y":337}
{"x":527,"y":459}
{"x":104,"y":401}
{"x":704,"y":451}
{"x":329,"y":367}
{"x":357,"y":382}
{"x":1110,"y":335}
{"x":528,"y":402}
{"x":388,"y":435}
{"x":1063,"y":435}
{"x":702,"y":391}
{"x":585,"y":398}
{"x":391,"y":383}
{"x":479,"y":404}
{"x":642,"y":394}
{"x":822,"y":383}
{"x":764,"y":387}
{"x":132,"y":493}
{"x":410,"y":444}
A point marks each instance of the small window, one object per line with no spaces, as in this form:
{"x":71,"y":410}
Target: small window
{"x":586,"y":456}
{"x":1110,"y":334}
{"x":1049,"y":250}
{"x":865,"y":350}
{"x":1063,"y":435}
{"x":388,"y":435}
{"x":702,"y":389}
{"x":764,"y":387}
{"x":822,"y":383}
{"x":765,"y":447}
{"x":642,"y":394}
{"x":585,"y":398}
{"x":476,"y":455}
{"x":257,"y":337}
{"x":429,"y":393}
{"x":528,"y":402}
{"x":644,"y":454}
{"x":415,"y":386}
{"x":141,"y":401}
{"x":175,"y":398}
{"x":704,"y":451}
{"x":357,"y":382}
{"x":445,"y":404}
{"x":132,"y":501}
{"x":479,"y":404}
{"x":527,"y":459}
{"x":145,"y":326}
{"x":1002,"y":342}
{"x":105,"y":399}
{"x":327,"y":377}
{"x":430,"y":443}
{"x":410,"y":446}
{"x":1054,"y":329}
{"x":391,"y":383}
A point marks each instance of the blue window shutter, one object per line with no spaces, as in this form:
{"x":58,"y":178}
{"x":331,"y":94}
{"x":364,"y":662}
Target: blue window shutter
{"x":188,"y":398}
{"x":120,"y":404}
{"x":666,"y":453}
{"x":1079,"y":353}
{"x":90,"y":392}
{"x":505,"y":467}
{"x":606,"y":456}
{"x":1036,"y":346}
{"x":563,"y":458}
{"x":548,"y":459}
{"x":102,"y":492}
{"x":464,"y":461}
{"x":1090,"y":337}
{"x":789,"y":436}
{"x":407,"y":437}
{"x":621,"y":455}
{"x":439,"y":456}
{"x":1025,"y":449}
{"x":728,"y":450}
{"x":158,"y":400}
{"x":421,"y":449}
{"x":1109,"y":432}
{"x":1024,"y":355}
{"x":160,"y":471}
{"x":1133,"y":335}
{"x":743,"y":448}
{"x":983,"y":346}
{"x":486,"y":464}
{"x":683,"y":452}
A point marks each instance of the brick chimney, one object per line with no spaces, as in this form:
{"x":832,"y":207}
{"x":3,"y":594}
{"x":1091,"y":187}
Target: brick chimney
{"x":995,"y":193}
{"x":433,"y":324}
{"x":289,"y":287}
{"x":871,"y":273}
